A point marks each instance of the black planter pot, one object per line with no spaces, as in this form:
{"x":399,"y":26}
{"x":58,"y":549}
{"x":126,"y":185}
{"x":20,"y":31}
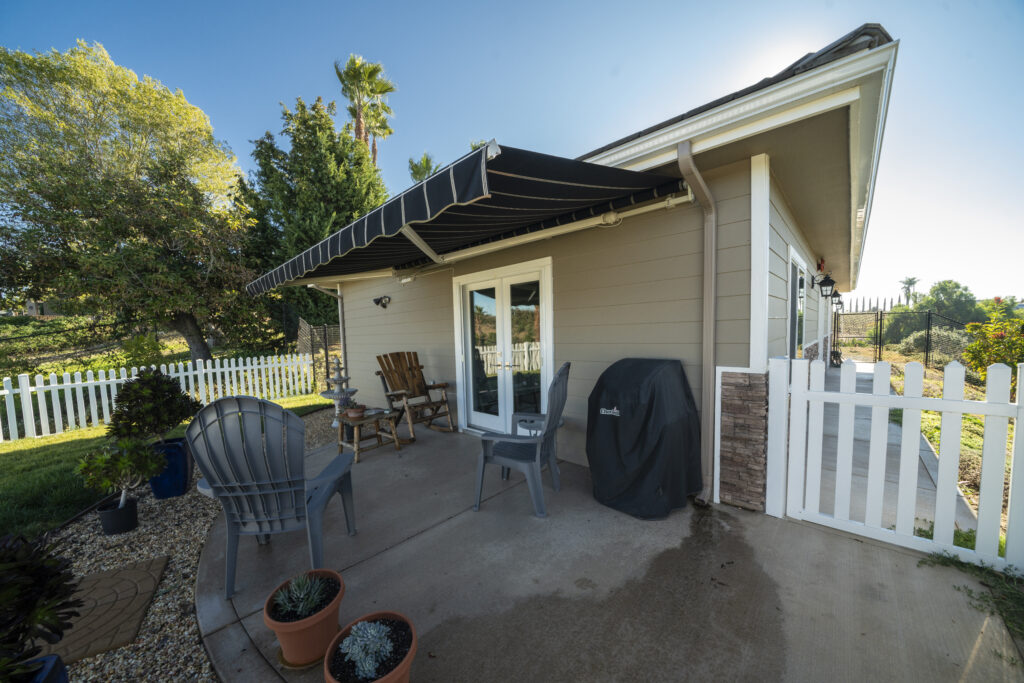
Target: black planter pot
{"x":116,"y":520}
{"x":53,"y":670}
{"x":177,"y":476}
{"x":350,"y":433}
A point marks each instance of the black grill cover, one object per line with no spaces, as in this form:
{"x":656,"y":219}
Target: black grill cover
{"x":643,"y":438}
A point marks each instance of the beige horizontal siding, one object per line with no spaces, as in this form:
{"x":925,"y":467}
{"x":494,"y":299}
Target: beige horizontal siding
{"x":634,"y":290}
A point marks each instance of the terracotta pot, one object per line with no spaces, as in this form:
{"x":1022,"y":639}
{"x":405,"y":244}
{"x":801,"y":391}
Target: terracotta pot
{"x":355,"y":413}
{"x":304,"y":642}
{"x":400,"y":674}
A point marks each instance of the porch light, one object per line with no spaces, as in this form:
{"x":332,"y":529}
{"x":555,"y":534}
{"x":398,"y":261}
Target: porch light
{"x":826,"y":284}
{"x":837,"y":299}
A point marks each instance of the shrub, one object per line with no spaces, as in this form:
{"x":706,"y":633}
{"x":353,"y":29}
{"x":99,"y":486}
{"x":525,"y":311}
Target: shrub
{"x":367,"y":646}
{"x":120,"y":464}
{"x":997,"y":341}
{"x":149,"y":406}
{"x":302,"y":596}
{"x":143,"y":350}
{"x":36,"y":588}
{"x":943,"y":338}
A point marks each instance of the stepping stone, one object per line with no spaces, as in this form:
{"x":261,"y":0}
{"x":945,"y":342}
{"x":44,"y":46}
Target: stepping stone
{"x":115,"y":605}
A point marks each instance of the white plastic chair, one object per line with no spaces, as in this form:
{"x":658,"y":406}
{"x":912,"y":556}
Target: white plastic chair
{"x":251,"y":453}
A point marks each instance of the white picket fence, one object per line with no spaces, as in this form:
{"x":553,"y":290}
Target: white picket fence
{"x":525,"y":357}
{"x":803,"y":484}
{"x":54,"y":404}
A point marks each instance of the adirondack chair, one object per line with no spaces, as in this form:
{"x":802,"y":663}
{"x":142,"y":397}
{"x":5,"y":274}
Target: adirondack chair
{"x":406,"y":391}
{"x":251,"y":453}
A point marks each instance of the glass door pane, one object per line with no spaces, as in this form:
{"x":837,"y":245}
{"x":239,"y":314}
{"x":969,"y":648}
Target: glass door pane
{"x":525,"y":352}
{"x":485,"y":363}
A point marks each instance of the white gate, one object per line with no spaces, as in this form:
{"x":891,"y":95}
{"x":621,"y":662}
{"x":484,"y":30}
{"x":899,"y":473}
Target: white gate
{"x":798,"y":443}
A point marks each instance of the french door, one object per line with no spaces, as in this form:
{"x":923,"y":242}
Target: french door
{"x":504,"y":344}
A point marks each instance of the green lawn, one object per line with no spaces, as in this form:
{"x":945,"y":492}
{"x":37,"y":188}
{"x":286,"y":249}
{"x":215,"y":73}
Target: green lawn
{"x":39,"y":488}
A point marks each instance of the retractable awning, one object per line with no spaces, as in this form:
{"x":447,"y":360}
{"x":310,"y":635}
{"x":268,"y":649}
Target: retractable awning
{"x":491,"y":194}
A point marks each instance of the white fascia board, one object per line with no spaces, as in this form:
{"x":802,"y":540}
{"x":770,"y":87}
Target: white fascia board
{"x":863,"y":216}
{"x":707,"y":130}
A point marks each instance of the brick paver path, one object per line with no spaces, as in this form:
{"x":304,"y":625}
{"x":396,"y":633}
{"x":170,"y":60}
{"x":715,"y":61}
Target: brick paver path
{"x":115,"y":604}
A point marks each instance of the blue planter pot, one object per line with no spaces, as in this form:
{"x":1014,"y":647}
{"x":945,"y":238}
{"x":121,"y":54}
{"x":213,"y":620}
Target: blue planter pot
{"x":53,"y":670}
{"x":177,"y":476}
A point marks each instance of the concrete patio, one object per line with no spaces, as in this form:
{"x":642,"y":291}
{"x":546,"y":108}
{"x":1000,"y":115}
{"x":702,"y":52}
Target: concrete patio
{"x":591,"y":594}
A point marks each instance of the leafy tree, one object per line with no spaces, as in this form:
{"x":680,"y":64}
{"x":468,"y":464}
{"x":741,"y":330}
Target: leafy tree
{"x":302,"y":191}
{"x":115,"y":194}
{"x":953,"y":300}
{"x":476,"y":144}
{"x":422,"y":169}
{"x":997,"y":341}
{"x":365,"y":86}
{"x":1000,"y":307}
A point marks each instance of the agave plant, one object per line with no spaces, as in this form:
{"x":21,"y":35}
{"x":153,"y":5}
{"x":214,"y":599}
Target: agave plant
{"x":367,"y":646}
{"x":36,"y":589}
{"x":301,"y":596}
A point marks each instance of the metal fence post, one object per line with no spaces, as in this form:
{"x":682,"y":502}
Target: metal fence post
{"x":878,"y":336}
{"x":928,"y":342}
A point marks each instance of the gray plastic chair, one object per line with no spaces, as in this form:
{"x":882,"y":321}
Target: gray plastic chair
{"x":528,"y":454}
{"x":251,"y":453}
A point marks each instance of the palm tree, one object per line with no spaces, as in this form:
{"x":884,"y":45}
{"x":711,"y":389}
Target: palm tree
{"x":423,"y":169}
{"x":377,"y":125}
{"x":908,"y":287}
{"x":364,"y":84}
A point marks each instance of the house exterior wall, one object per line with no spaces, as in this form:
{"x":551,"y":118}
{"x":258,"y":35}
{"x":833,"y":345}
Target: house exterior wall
{"x":783,"y":235}
{"x":634,"y":290}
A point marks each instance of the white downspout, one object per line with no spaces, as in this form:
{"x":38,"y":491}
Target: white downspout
{"x":702,"y":195}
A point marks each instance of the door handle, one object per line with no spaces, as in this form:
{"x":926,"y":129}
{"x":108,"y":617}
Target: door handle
{"x":509,"y":366}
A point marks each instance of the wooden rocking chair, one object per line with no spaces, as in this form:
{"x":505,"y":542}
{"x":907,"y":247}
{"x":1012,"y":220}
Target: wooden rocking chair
{"x":407,"y":392}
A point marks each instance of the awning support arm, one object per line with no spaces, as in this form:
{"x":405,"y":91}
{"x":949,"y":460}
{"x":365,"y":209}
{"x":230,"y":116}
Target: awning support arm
{"x":421,"y":244}
{"x":325,"y":291}
{"x":702,"y":193}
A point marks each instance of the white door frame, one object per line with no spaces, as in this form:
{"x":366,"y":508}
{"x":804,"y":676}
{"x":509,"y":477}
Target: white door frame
{"x":543,"y":266}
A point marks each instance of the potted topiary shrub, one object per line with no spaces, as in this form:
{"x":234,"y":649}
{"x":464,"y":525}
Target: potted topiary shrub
{"x":36,"y":589}
{"x":120,"y":465}
{"x":377,"y":647}
{"x":149,"y":406}
{"x":303,"y":614}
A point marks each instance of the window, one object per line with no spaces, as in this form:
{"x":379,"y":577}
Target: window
{"x":798,"y":284}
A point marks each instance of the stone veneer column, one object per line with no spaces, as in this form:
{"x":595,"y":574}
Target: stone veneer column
{"x":744,"y":439}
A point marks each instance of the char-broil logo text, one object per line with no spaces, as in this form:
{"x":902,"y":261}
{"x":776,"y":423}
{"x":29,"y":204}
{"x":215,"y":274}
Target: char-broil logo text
{"x":610,"y":411}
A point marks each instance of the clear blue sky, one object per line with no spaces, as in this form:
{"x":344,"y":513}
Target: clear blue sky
{"x":566,"y":77}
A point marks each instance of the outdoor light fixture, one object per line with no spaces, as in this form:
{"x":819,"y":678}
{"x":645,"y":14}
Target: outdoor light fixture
{"x":382,"y":301}
{"x":837,"y":299}
{"x":826,"y":283}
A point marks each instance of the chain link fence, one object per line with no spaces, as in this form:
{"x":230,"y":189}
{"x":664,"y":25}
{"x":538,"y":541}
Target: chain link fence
{"x":321,"y":341}
{"x":903,"y":336}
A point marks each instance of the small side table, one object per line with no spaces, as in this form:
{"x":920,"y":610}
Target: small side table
{"x":360,"y":434}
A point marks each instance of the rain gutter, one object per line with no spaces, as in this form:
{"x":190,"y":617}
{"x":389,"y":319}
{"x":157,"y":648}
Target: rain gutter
{"x":702,"y":196}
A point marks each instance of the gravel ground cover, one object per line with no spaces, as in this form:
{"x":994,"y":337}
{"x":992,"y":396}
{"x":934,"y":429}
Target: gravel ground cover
{"x":168,"y":646}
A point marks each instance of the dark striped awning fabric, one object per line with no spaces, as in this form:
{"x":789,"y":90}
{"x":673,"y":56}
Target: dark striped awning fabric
{"x":488,"y":195}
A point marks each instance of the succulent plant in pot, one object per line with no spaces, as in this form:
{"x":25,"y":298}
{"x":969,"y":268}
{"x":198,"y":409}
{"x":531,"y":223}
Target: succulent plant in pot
{"x":303,"y":614}
{"x":119,"y":466}
{"x":36,"y":604}
{"x":148,"y":406}
{"x":377,"y":647}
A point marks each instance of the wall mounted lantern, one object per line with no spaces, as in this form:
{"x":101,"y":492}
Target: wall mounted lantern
{"x":837,"y":300}
{"x":826,"y":283}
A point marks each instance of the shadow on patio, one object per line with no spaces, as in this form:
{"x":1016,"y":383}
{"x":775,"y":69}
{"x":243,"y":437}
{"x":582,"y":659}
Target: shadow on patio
{"x":592,"y":594}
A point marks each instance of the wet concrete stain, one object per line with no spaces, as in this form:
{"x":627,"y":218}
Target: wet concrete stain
{"x":703,"y":610}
